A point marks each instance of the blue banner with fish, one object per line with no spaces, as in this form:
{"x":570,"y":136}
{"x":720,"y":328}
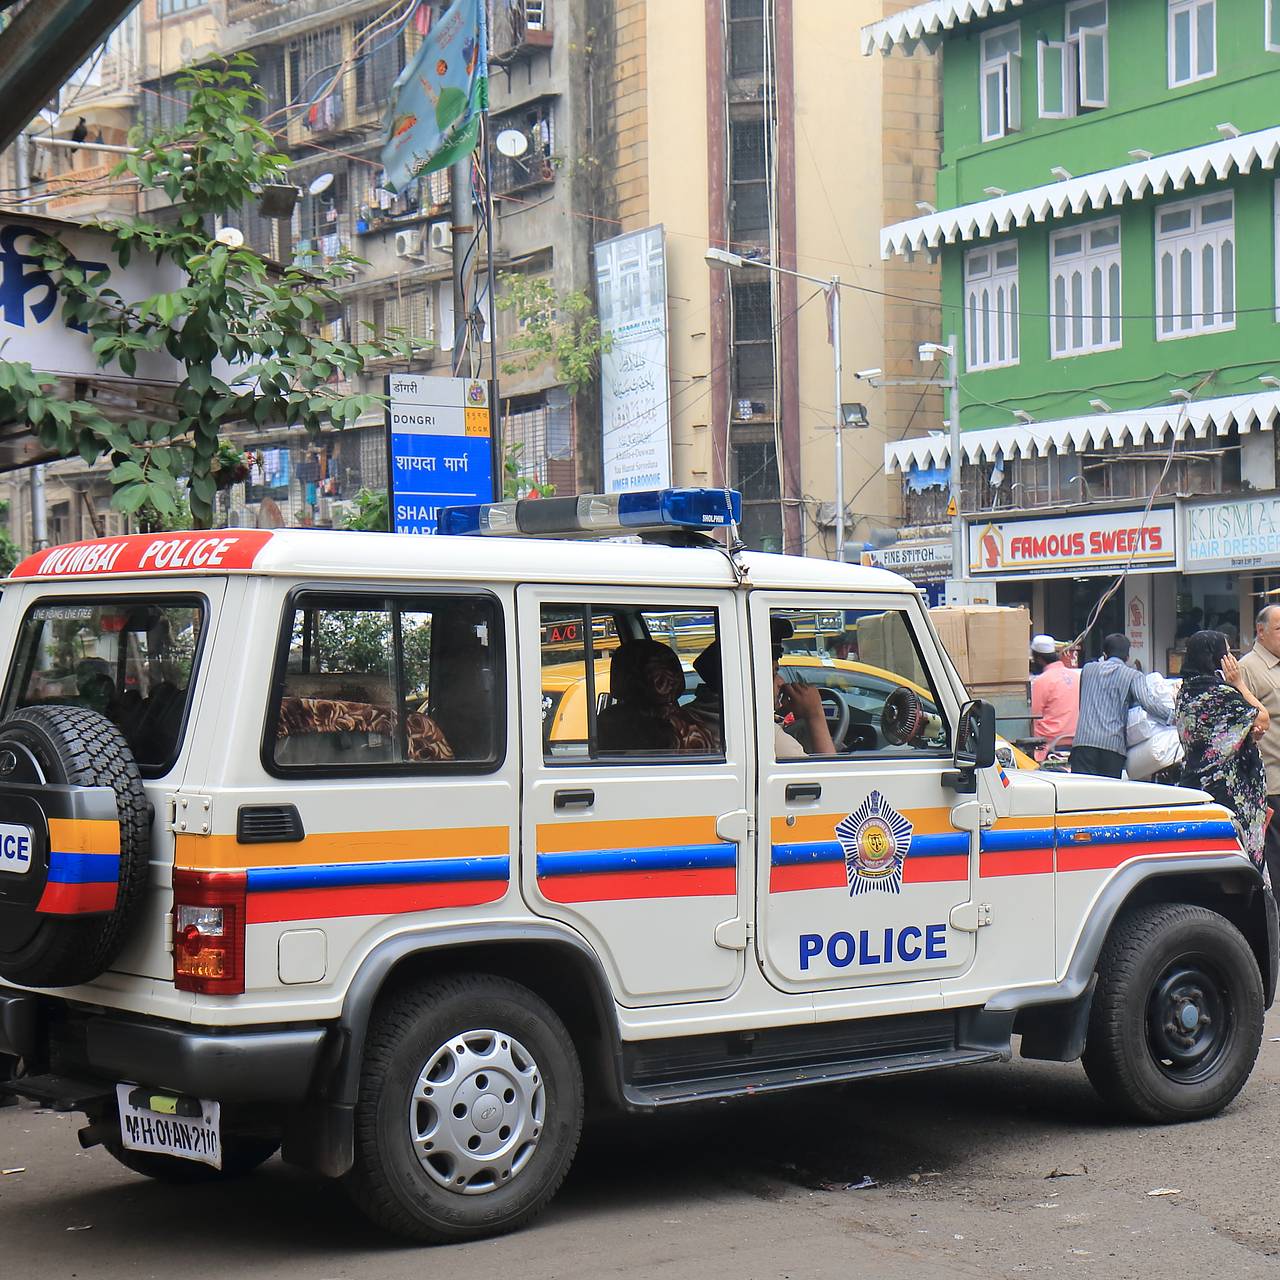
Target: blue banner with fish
{"x":437,"y":100}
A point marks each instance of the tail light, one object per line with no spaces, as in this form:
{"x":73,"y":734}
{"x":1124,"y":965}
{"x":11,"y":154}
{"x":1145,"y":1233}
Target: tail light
{"x":208,"y":931}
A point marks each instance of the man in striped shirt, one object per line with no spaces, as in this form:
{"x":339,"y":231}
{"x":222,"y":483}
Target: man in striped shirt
{"x":1108,"y":688}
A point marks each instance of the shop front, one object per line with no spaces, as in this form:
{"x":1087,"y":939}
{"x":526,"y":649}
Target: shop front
{"x":927,"y":563}
{"x":1063,"y":569}
{"x":1230,"y":566}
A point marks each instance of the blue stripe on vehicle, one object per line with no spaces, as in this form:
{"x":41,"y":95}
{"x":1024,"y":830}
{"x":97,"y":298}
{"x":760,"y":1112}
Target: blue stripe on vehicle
{"x":685,"y":857}
{"x":84,"y":868}
{"x":1150,"y":833}
{"x":1009,"y":841}
{"x":353,"y":874}
{"x":932,"y":846}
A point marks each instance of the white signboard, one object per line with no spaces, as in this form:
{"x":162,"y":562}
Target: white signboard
{"x":1080,"y":545}
{"x":635,"y":389}
{"x":1242,"y":534}
{"x":32,"y":329}
{"x":919,"y":561}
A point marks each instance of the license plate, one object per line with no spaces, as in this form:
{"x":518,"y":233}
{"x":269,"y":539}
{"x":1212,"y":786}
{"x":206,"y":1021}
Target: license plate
{"x":188,"y":1128}
{"x":15,"y":848}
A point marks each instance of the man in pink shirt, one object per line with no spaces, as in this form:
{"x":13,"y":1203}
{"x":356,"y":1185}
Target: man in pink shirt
{"x":1055,"y":697}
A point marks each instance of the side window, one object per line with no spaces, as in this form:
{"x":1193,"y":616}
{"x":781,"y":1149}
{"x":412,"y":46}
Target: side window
{"x":852,"y":682}
{"x":368,"y":682}
{"x":630,"y":681}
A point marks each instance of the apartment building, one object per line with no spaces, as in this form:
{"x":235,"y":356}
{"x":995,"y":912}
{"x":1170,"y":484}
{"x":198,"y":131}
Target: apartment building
{"x":1107,"y":225}
{"x":748,"y":125}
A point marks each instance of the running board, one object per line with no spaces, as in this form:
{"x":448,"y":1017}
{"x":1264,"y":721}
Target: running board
{"x":678,"y":1092}
{"x":682,"y":1069}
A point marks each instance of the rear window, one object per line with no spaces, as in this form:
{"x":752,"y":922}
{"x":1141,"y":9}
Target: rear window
{"x":130,"y":658}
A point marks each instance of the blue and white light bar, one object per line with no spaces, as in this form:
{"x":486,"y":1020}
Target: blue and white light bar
{"x":598,"y":513}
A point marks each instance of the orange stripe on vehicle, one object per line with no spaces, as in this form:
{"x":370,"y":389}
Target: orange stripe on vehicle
{"x":225,"y":853}
{"x":84,"y":835}
{"x":819,"y":826}
{"x":569,"y":836}
{"x":1137,"y":817}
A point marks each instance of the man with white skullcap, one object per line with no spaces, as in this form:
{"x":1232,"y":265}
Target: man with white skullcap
{"x":1055,"y":696}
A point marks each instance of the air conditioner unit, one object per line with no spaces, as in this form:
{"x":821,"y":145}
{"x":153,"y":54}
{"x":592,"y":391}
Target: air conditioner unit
{"x":441,"y":237}
{"x":409,"y":244}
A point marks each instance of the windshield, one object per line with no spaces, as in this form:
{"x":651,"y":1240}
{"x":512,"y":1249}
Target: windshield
{"x":130,"y":658}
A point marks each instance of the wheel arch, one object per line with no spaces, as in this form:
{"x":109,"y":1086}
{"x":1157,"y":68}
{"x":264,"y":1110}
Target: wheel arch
{"x":1053,"y":1018}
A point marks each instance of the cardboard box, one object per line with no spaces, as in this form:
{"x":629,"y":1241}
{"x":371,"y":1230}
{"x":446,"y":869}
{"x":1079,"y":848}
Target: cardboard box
{"x":999,"y":644}
{"x":884,"y":641}
{"x":989,"y":644}
{"x":950,"y":624}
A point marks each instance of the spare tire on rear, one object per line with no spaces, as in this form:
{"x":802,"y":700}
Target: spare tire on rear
{"x":68,"y":777}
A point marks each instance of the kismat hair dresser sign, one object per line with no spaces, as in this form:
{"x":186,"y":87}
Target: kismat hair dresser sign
{"x":1076,"y":544}
{"x":1244,"y":534}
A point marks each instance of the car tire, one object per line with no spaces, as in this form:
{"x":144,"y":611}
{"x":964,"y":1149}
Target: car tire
{"x":74,"y":746}
{"x":469,"y":1111}
{"x":240,"y":1156}
{"x":1176,"y":1020}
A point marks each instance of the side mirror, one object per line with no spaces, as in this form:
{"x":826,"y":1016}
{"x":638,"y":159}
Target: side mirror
{"x":975,"y":745}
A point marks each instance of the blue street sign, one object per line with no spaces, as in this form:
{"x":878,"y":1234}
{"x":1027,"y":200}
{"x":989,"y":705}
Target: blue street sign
{"x":440,"y":450}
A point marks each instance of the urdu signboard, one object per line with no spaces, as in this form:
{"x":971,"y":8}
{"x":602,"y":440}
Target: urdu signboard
{"x":635,"y":390}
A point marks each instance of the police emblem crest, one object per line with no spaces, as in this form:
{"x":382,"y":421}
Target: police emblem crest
{"x":875,"y":838}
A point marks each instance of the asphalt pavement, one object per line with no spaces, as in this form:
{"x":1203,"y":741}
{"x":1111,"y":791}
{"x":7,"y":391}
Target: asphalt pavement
{"x":990,"y":1171}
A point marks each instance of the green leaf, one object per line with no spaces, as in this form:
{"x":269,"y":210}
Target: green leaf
{"x":130,"y":498}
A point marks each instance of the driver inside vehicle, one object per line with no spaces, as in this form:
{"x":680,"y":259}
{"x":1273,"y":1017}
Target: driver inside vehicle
{"x":798,"y":707}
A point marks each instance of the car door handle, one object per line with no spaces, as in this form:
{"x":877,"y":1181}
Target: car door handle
{"x":804,"y":791}
{"x":583,"y":798}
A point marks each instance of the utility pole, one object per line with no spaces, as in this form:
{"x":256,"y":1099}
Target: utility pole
{"x":959,"y":554}
{"x":464,"y":235}
{"x":839,"y":371}
{"x":39,"y":515}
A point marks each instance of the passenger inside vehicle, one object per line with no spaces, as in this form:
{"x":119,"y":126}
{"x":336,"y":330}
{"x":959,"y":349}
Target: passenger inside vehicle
{"x":645,"y":682}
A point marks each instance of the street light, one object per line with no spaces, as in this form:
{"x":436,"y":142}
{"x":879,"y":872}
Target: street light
{"x":931,"y":351}
{"x":721,"y":260}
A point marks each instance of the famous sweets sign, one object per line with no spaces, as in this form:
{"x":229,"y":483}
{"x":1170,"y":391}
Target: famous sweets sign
{"x":1079,"y":545}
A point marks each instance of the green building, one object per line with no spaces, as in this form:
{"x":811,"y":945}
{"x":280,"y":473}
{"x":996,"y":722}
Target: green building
{"x":1108,"y":228}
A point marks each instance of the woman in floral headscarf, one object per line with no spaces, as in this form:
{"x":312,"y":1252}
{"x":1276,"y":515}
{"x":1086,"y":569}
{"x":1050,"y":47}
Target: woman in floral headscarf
{"x":1219,"y":722}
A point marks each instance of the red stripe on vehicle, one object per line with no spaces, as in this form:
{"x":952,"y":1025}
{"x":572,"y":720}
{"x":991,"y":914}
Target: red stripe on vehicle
{"x":1016,"y":862}
{"x":936,"y":870}
{"x":1103,"y":857}
{"x":76,"y":899}
{"x":377,"y":900}
{"x":620,"y":886}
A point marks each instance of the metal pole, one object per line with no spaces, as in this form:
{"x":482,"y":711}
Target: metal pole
{"x":495,"y":404}
{"x":463,"y":236}
{"x":959,"y":560}
{"x":835,"y":342}
{"x":39,"y":514}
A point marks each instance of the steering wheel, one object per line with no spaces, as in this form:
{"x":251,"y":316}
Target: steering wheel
{"x":836,"y":711}
{"x":904,"y":717}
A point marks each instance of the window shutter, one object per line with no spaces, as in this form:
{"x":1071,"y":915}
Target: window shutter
{"x":1051,"y":74}
{"x":1093,"y":67}
{"x":993,"y":123}
{"x":1013,"y":91}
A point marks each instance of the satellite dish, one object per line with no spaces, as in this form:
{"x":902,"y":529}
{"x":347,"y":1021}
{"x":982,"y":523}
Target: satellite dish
{"x":511,"y":142}
{"x":320,"y":184}
{"x":232,"y":237}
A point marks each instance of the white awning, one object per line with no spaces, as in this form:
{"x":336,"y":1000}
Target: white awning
{"x":925,"y":22}
{"x":1193,"y":166}
{"x":1253,"y":412}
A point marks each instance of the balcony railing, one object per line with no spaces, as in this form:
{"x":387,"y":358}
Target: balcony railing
{"x":519,"y":26}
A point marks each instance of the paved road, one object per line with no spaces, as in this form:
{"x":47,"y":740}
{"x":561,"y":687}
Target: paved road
{"x":736,"y":1191}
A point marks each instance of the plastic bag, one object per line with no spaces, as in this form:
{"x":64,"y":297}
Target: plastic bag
{"x":1140,"y":724}
{"x":1159,"y":751}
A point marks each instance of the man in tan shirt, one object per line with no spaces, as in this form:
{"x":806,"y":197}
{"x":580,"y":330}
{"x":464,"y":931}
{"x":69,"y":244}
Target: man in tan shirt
{"x":1261,"y":670}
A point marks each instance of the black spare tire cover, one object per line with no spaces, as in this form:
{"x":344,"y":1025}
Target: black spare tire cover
{"x":70,"y":890}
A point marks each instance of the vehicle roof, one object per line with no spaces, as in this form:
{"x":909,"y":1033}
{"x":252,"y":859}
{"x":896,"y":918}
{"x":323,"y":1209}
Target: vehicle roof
{"x":335,"y":554}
